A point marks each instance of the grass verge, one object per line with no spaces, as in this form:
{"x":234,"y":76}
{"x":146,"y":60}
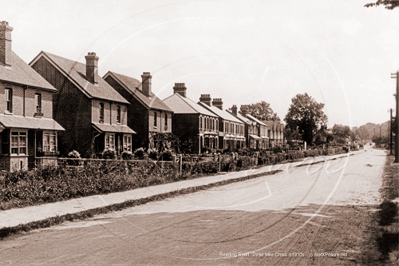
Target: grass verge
{"x":8,"y":231}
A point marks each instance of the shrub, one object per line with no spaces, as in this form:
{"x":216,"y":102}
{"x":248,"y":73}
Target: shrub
{"x":153,"y":154}
{"x":139,"y":153}
{"x":74,"y":154}
{"x":127,"y":155}
{"x":109,"y":154}
{"x":167,"y":155}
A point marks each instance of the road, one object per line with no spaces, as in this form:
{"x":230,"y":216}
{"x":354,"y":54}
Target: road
{"x":315,"y":215}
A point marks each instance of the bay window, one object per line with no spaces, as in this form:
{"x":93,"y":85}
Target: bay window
{"x":49,"y":141}
{"x":18,"y":142}
{"x":127,"y":142}
{"x":110,"y":141}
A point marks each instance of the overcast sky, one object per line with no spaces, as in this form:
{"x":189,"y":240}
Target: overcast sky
{"x":339,"y":52}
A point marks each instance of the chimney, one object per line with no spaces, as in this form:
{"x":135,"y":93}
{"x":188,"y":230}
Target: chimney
{"x":218,"y":103}
{"x":180,"y":88}
{"x":206,"y":98}
{"x":5,"y":44}
{"x":234,"y":110}
{"x":146,"y":83}
{"x":92,"y":68}
{"x":244,"y":110}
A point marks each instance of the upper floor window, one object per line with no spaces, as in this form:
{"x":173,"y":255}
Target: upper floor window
{"x":155,"y":119}
{"x":101,"y":109}
{"x":166,"y":120}
{"x":8,"y":95}
{"x":118,"y":114}
{"x":38,"y":102}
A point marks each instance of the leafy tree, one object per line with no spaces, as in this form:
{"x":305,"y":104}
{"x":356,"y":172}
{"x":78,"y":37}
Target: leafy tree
{"x":305,"y":115}
{"x":389,"y":4}
{"x":261,"y":111}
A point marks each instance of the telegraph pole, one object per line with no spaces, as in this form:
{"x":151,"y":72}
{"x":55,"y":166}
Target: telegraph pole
{"x":396,"y":75}
{"x":390,"y":132}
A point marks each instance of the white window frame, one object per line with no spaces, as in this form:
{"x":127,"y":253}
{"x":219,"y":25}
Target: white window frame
{"x":19,"y":147}
{"x":51,"y":148}
{"x":107,"y":143}
{"x":127,"y":142}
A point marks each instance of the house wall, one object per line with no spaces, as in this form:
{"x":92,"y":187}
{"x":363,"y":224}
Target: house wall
{"x":110,"y":112}
{"x":160,"y":121}
{"x":71,"y":109}
{"x":186,"y":126}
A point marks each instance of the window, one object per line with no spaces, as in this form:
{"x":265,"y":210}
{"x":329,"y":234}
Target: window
{"x":49,"y":141}
{"x":155,"y":119}
{"x":127,"y":142}
{"x":38,"y":102}
{"x":110,"y":141}
{"x":8,"y":93}
{"x":101,"y":109}
{"x":118,"y":114}
{"x":18,"y":142}
{"x":166,"y":120}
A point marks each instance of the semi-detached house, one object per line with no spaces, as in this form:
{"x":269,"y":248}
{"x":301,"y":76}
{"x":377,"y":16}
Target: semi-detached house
{"x":93,"y":113}
{"x":28,"y":133}
{"x":149,"y":116}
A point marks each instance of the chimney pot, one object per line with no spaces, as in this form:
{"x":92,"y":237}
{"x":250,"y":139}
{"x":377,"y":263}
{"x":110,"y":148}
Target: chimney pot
{"x":180,"y":88}
{"x":92,"y":67}
{"x":146,"y":83}
{"x":206,"y":98}
{"x":218,"y":103}
{"x":5,"y":44}
{"x":234,"y":110}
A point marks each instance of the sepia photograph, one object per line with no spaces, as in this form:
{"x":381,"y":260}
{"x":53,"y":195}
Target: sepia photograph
{"x":199,"y":132}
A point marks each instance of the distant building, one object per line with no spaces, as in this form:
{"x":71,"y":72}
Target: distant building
{"x":251,"y":131}
{"x":196,"y":127}
{"x":275,"y":133}
{"x":149,"y":116}
{"x":231,"y":129}
{"x":93,"y":113}
{"x":28,"y":132}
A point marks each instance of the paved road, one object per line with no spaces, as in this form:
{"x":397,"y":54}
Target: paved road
{"x":284,"y":219}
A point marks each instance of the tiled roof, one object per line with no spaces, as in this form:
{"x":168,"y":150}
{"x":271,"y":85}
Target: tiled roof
{"x":256,"y":120}
{"x":274,"y":125}
{"x":21,"y":73}
{"x":76,"y":71}
{"x":183,"y":105}
{"x":221,"y":113}
{"x":113,"y":128}
{"x":242,"y":118}
{"x":13,"y":121}
{"x":134,"y":88}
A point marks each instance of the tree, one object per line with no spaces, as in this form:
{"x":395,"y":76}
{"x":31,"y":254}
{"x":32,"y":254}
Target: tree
{"x":389,"y":4}
{"x":305,"y":115}
{"x":261,"y":111}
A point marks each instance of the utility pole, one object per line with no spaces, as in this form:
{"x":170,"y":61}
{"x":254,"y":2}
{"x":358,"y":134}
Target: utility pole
{"x":390,"y":132}
{"x":396,"y":75}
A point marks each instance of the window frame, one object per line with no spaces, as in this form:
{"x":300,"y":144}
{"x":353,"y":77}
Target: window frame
{"x":101,"y":112}
{"x":38,"y":102}
{"x":118,"y":114}
{"x":18,"y":147}
{"x":127,"y":145}
{"x":8,"y":95}
{"x":107,"y":137}
{"x":50,"y":134}
{"x":155,"y":119}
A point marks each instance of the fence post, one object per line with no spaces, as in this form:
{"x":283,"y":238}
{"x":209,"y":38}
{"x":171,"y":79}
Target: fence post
{"x":180,"y":164}
{"x":220,"y":162}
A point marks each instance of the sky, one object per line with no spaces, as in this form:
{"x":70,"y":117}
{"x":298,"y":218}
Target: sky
{"x":339,"y":52}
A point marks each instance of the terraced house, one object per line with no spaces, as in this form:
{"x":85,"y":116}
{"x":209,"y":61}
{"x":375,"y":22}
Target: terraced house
{"x":93,"y":113}
{"x":261,"y":129}
{"x":149,"y":116}
{"x":28,"y":131}
{"x":250,"y":129}
{"x":196,"y":127}
{"x":231,"y":129}
{"x":275,"y":132}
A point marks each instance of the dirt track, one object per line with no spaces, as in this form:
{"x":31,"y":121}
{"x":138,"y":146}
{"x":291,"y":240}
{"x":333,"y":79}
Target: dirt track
{"x":305,"y":215}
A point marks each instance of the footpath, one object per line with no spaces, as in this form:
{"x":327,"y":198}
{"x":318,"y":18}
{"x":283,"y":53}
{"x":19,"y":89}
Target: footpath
{"x":20,"y":216}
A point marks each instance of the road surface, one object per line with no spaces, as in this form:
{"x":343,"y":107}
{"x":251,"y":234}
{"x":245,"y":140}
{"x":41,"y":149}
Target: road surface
{"x":314,"y":215}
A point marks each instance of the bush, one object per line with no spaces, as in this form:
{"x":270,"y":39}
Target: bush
{"x":153,"y":154}
{"x":139,"y":153}
{"x":127,"y":155}
{"x":109,"y":154}
{"x":74,"y":154}
{"x":167,"y":155}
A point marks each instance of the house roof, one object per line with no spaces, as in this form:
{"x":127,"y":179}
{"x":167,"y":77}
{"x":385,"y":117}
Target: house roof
{"x":21,"y":73}
{"x":256,"y":120}
{"x":133,"y":86}
{"x":113,"y":128}
{"x":13,"y":121}
{"x":76,"y":73}
{"x":240,"y":117}
{"x":274,"y":125}
{"x":183,"y":105}
{"x":221,"y":113}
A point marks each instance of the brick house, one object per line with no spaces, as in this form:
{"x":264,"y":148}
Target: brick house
{"x":231,"y":129}
{"x":263,"y":141}
{"x":192,"y":123}
{"x":28,"y":132}
{"x":250,"y":129}
{"x":92,"y":112}
{"x":275,"y":132}
{"x":149,"y":116}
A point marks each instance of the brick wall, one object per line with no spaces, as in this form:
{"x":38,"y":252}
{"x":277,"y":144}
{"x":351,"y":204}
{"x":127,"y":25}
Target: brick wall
{"x":71,"y":109}
{"x":186,"y":126}
{"x":110,"y":112}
